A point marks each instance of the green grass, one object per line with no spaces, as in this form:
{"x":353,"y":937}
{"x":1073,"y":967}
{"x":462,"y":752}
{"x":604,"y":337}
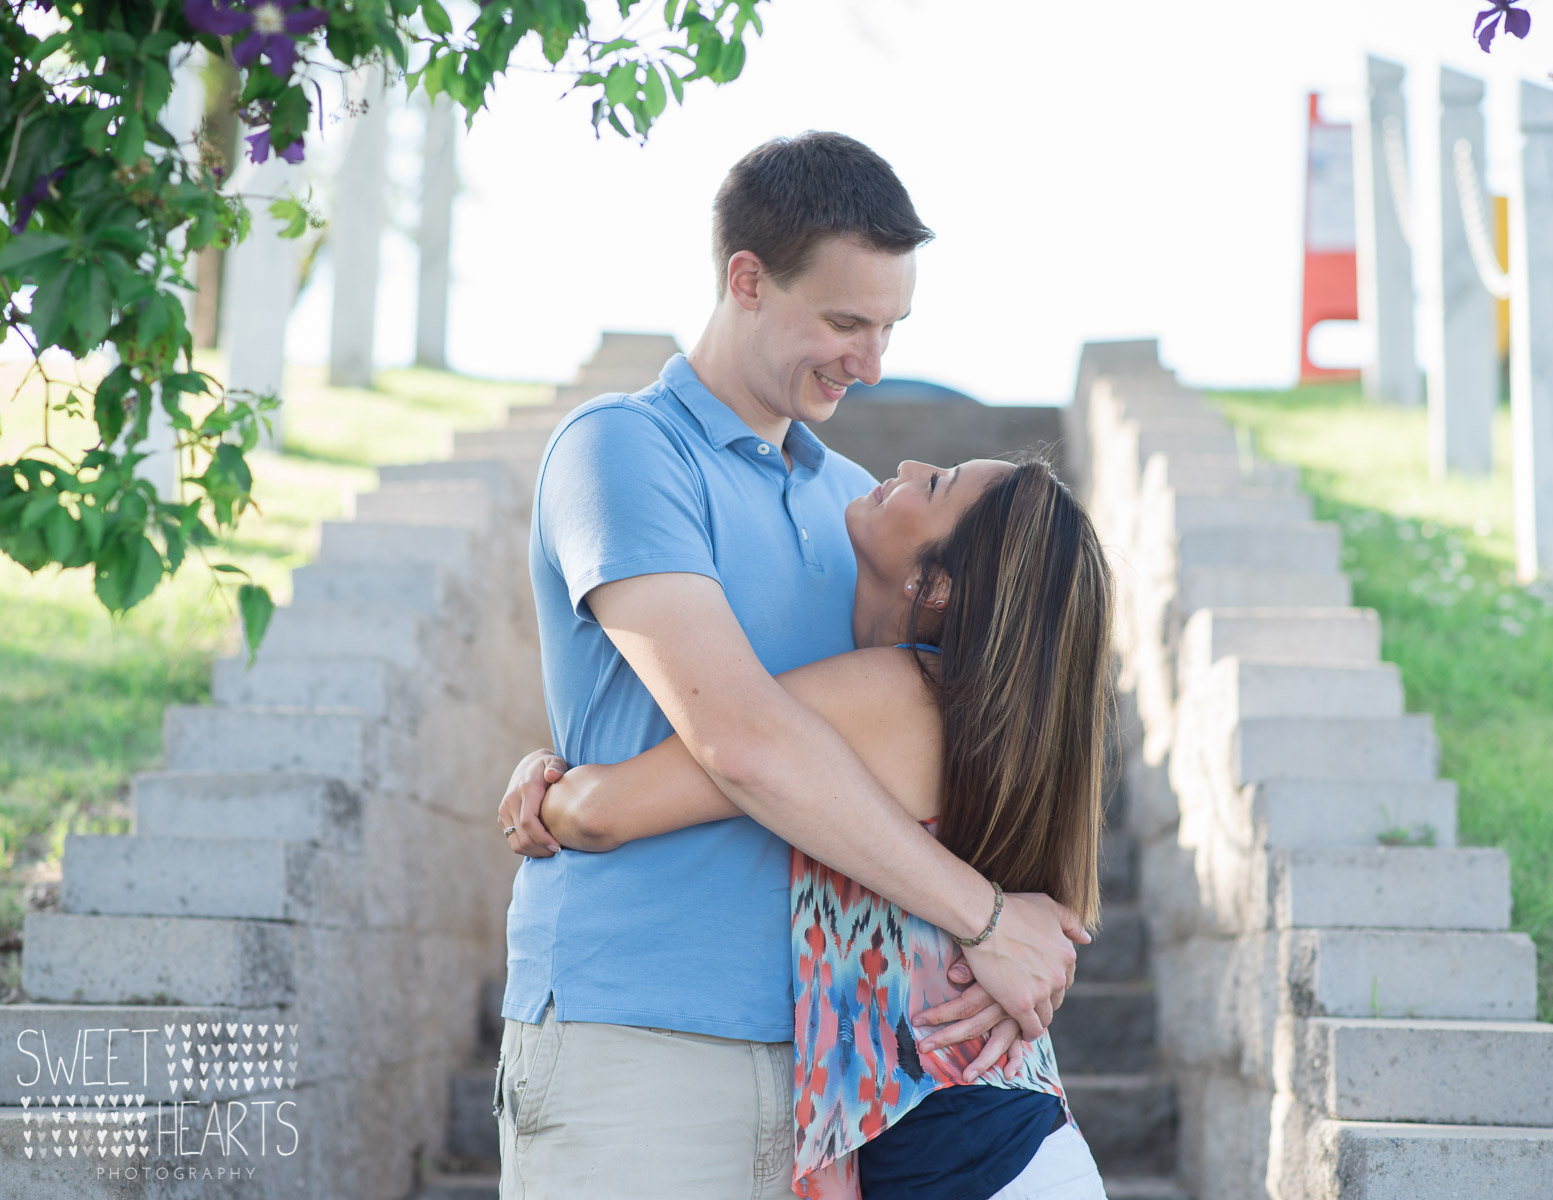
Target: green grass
{"x":1436,"y":560}
{"x":81,"y":694}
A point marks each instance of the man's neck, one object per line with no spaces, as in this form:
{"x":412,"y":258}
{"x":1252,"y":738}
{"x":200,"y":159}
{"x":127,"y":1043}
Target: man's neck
{"x":716,"y":360}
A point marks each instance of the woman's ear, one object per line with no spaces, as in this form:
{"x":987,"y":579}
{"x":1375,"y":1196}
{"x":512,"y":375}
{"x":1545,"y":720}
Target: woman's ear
{"x":935,"y":593}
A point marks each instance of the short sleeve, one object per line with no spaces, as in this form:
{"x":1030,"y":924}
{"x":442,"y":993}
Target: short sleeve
{"x":619,"y":495}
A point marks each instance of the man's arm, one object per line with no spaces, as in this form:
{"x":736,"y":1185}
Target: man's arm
{"x":875,"y":699}
{"x":788,"y":769}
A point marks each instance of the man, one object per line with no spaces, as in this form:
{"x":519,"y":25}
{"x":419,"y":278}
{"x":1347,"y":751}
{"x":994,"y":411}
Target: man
{"x":687,"y":544}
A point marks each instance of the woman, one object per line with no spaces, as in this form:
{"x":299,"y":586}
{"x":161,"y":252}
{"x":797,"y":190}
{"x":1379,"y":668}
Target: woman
{"x":977,"y":698}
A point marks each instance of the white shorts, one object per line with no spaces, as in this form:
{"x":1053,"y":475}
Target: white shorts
{"x":1062,"y":1169}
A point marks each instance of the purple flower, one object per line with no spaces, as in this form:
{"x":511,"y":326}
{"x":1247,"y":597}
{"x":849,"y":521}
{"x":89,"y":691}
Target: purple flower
{"x":273,"y":27}
{"x":1516,"y":21}
{"x":27,"y":203}
{"x":259,"y":148}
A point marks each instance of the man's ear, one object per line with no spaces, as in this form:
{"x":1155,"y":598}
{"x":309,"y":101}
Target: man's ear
{"x":746,"y":275}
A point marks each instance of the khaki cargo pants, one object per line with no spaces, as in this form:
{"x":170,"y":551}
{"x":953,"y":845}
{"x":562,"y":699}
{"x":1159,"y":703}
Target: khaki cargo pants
{"x":611,"y":1112}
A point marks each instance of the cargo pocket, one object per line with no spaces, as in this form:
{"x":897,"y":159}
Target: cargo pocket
{"x":539,"y":1054}
{"x":496,"y":1098}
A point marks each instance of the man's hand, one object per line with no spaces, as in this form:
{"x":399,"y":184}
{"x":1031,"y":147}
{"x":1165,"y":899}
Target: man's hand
{"x":974,"y":1014}
{"x":520,"y":806}
{"x":1027,"y":964}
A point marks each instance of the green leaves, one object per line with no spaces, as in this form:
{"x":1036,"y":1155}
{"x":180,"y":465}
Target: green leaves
{"x":257,"y":608}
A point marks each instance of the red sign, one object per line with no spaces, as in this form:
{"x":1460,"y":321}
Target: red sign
{"x":1331,"y":267}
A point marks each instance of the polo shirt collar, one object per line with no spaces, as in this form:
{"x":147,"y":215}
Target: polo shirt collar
{"x":722,"y":425}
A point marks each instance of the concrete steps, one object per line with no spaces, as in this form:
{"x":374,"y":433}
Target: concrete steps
{"x":1131,"y":1121}
{"x":317,"y":681}
{"x":421,"y":586}
{"x":1344,"y":1010}
{"x":312,"y":809}
{"x":505,"y":480}
{"x":377,"y":543}
{"x":258,"y":879}
{"x":463,"y":502}
{"x":512,"y":444}
{"x":337,"y":743}
{"x":1432,"y":1072}
{"x":80,"y":958}
{"x":1382,"y":1160}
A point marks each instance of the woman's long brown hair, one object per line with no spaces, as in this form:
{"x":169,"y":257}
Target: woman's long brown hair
{"x":1023,"y":683}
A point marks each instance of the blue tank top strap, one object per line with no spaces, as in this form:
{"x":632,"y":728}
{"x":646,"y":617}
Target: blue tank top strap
{"x":917,"y":646}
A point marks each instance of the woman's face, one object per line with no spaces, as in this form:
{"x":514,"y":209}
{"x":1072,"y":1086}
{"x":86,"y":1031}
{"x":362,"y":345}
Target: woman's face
{"x":890,"y":526}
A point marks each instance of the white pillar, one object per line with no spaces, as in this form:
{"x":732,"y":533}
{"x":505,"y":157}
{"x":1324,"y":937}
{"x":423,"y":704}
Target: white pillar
{"x":1531,"y":337}
{"x":356,"y":233}
{"x":1383,"y":203}
{"x":439,"y":183}
{"x":259,"y":289}
{"x":1463,"y":368}
{"x":182,"y":116}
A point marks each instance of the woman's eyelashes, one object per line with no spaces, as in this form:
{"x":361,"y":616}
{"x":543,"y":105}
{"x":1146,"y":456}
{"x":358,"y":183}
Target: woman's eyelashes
{"x":932,"y":483}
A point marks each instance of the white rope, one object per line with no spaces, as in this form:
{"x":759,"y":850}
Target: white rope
{"x":1395,"y":150}
{"x":1469,"y":191}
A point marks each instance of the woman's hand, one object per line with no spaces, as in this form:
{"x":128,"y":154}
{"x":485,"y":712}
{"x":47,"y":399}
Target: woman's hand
{"x":521,"y":804}
{"x":974,"y":1013}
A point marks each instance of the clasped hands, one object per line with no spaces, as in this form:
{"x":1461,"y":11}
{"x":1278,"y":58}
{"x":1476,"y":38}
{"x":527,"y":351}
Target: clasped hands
{"x":1013,"y":982}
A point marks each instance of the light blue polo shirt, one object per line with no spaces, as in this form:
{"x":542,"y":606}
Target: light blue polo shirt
{"x":689,"y":930}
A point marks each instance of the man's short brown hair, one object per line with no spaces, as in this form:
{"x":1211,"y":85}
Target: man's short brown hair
{"x":783,"y":197}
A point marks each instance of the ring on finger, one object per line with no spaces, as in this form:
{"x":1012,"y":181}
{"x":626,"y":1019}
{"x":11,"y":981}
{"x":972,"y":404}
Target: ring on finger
{"x":509,"y":831}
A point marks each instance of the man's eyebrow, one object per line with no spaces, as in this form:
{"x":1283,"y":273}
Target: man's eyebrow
{"x":857,"y":319}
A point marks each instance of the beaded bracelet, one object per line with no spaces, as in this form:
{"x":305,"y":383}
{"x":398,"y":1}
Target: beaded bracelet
{"x":997,"y":911}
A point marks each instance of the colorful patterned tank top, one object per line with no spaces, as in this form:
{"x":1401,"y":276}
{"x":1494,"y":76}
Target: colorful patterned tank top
{"x":861,"y":967}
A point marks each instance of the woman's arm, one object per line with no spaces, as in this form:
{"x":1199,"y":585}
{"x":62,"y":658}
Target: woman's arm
{"x":875,"y":699}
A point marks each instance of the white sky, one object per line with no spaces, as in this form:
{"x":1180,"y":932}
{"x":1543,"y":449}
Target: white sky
{"x":1137,"y":171}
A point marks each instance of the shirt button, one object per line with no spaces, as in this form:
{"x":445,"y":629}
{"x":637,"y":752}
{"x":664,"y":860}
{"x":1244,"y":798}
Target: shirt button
{"x":804,"y":533}
{"x":765,"y":449}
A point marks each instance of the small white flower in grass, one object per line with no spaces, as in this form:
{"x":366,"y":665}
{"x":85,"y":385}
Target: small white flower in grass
{"x":1482,"y":527}
{"x":1406,"y":532}
{"x":1466,"y":583}
{"x":1511,"y":626}
{"x":1458,"y":561}
{"x":1428,"y":529}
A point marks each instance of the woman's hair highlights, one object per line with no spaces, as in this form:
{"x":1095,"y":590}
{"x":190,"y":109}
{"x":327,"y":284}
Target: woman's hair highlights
{"x":1023,"y":684}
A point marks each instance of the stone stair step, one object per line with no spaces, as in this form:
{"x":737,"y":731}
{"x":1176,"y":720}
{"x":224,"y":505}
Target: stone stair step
{"x":471,"y":1125}
{"x":1437,"y":1072}
{"x":223,"y":804}
{"x":1119,"y":953}
{"x":259,"y":879}
{"x":1103,"y":1028}
{"x":1189,"y":511}
{"x":1370,"y":748}
{"x":1390,"y":887}
{"x":1336,"y":812}
{"x":1255,"y":587}
{"x":517,"y":445}
{"x":1385,"y":1160}
{"x":617,"y":348}
{"x":1280,"y":689}
{"x":459,"y":1187}
{"x":1159,"y":438}
{"x":173,"y":960}
{"x":1410,"y":974}
{"x":463,"y":502}
{"x":1314,"y":637}
{"x":1118,"y":867}
{"x":379,"y":543}
{"x":61,"y":1049}
{"x":1309,"y":546}
{"x":1129,"y":1121}
{"x":386,"y":631}
{"x":315,"y":741}
{"x":325,"y":680}
{"x":507,"y":484}
{"x":421,"y":586}
{"x":1148,"y":1188}
{"x":1184,"y":472}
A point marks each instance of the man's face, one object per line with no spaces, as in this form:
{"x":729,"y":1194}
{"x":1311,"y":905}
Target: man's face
{"x":828,"y":328}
